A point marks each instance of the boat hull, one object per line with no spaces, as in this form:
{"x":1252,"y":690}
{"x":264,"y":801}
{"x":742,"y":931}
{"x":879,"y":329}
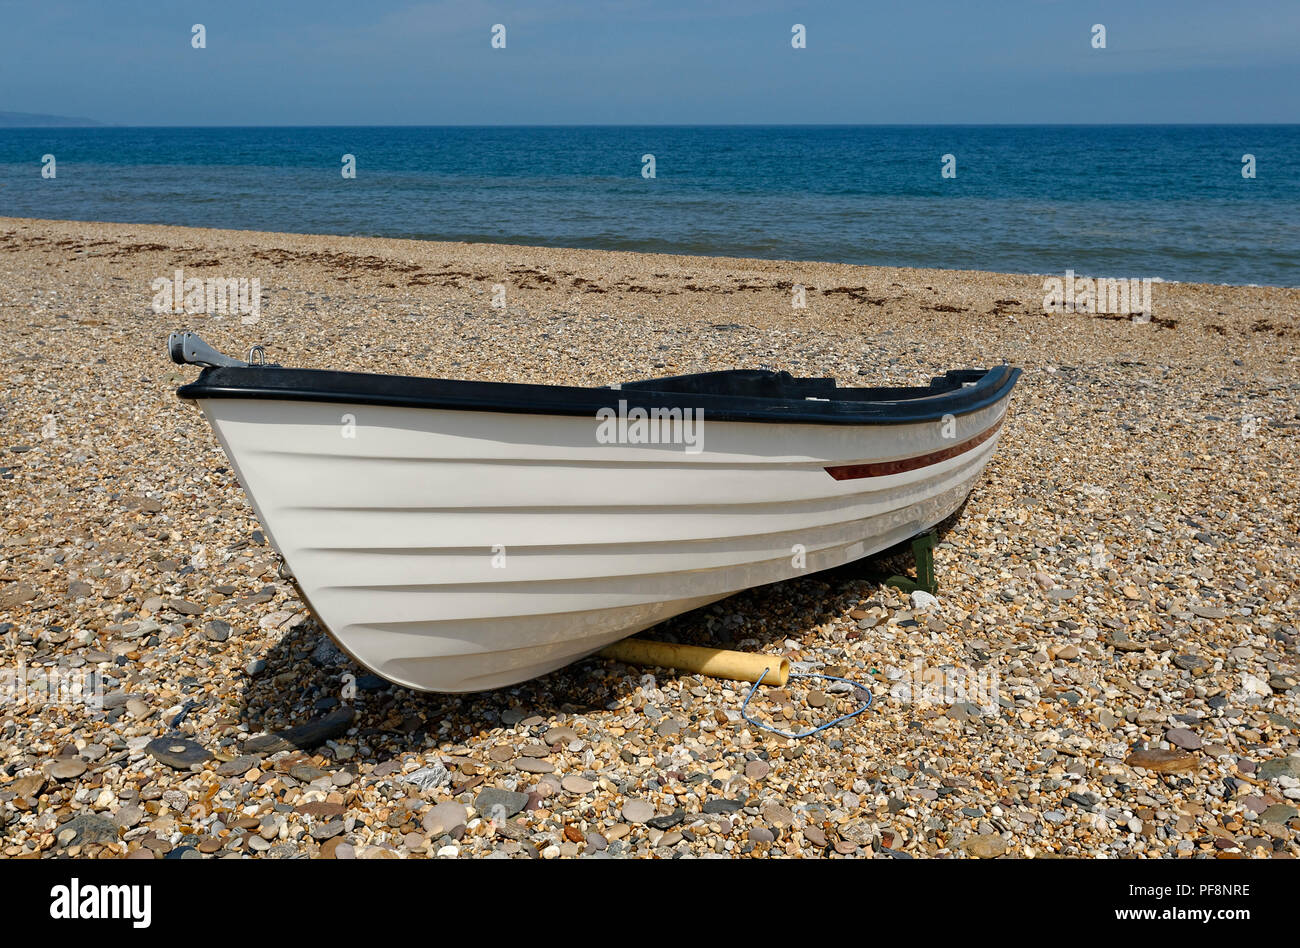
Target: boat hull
{"x":455,"y":550}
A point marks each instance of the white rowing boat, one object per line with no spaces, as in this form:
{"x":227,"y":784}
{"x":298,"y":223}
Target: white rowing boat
{"x":458,"y":536}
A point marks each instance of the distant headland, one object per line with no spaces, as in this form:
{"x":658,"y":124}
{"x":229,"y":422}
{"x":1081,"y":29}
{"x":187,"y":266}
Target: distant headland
{"x":37,"y":120}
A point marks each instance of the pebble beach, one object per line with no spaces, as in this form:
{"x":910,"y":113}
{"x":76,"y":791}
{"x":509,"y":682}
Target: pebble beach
{"x":1109,"y":668}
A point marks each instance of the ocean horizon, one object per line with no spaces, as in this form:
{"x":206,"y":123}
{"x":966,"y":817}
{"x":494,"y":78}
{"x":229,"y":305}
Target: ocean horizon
{"x":1161,"y":202}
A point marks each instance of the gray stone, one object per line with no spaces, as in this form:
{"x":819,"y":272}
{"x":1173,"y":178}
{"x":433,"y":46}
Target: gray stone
{"x":324,"y":831}
{"x":238,"y":766}
{"x":217,"y":630}
{"x":1282,"y":721}
{"x":963,"y":711}
{"x":1278,"y":813}
{"x":306,"y":772}
{"x":29,"y":786}
{"x":1182,"y":737}
{"x":16,"y":595}
{"x":1280,"y":767}
{"x":66,"y":768}
{"x":128,"y":816}
{"x":177,"y":752}
{"x":493,"y":803}
{"x":1191,"y":663}
{"x":668,"y":727}
{"x":86,"y":828}
{"x":532,"y":765}
{"x":665,"y":822}
{"x":638,"y":811}
{"x":815,"y":835}
{"x":327,"y":653}
{"x":575,"y":784}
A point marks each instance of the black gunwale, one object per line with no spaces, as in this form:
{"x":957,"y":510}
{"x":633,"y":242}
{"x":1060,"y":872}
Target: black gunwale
{"x":959,"y":392}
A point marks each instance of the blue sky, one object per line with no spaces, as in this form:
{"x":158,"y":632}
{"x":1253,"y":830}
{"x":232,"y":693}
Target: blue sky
{"x":331,"y":62}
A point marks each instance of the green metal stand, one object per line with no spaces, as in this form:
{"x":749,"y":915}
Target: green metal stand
{"x":923,"y":553}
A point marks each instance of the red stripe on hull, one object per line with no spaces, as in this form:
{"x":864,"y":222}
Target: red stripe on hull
{"x":849,"y":472}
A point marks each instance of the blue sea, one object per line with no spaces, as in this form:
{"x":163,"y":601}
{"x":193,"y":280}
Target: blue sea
{"x":1166,"y":202}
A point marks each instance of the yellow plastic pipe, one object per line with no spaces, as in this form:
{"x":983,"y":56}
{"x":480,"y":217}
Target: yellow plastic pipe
{"x":714,"y":662}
